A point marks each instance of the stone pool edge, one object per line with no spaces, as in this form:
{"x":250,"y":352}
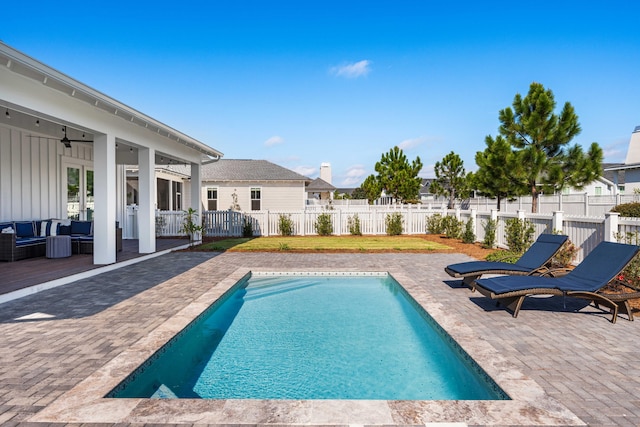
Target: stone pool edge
{"x":530,"y":405}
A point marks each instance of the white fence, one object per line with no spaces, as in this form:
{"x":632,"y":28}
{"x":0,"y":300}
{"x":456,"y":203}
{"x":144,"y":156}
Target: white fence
{"x":570,"y":204}
{"x":584,"y":232}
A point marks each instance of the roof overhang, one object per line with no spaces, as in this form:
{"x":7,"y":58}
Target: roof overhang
{"x":623,"y":167}
{"x":31,"y":68}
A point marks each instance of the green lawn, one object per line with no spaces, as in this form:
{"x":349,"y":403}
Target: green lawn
{"x":326,"y":243}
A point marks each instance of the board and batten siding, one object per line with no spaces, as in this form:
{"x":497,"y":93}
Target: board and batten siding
{"x":30,"y":174}
{"x":279,"y":195}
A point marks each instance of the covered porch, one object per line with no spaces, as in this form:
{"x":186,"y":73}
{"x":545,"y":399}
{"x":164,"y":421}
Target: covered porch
{"x":64,"y":148}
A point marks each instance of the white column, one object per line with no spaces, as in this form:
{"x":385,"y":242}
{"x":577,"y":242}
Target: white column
{"x":147,"y":199}
{"x":104,"y":224}
{"x":196,"y":194}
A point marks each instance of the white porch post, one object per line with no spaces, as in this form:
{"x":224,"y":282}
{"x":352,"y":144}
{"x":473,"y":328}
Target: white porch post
{"x":104,"y":224}
{"x":196,"y":192}
{"x":146,"y":196}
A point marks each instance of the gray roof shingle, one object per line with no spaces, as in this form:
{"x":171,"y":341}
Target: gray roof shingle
{"x":245,"y":170}
{"x":319,"y":185}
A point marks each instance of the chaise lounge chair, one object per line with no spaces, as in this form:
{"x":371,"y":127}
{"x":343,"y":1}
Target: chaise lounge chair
{"x":533,"y":262}
{"x":586,"y":281}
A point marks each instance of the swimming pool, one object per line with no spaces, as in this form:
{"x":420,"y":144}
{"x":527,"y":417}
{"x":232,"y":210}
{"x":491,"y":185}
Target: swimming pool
{"x":312,"y":336}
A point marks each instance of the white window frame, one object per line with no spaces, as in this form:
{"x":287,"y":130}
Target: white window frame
{"x":259,"y":199}
{"x":210,"y":199}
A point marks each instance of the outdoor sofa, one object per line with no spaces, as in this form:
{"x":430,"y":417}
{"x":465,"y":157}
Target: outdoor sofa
{"x":588,"y":280}
{"x":534,"y":261}
{"x":27,"y":239}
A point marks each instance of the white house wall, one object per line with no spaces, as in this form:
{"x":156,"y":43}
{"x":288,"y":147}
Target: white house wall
{"x":275,"y":196}
{"x":590,"y":189}
{"x":30,"y":174}
{"x":632,"y":180}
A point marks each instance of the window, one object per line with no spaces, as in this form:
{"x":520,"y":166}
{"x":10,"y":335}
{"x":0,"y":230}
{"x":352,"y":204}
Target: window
{"x":162,"y":190}
{"x":255,"y":199}
{"x":177,"y":195}
{"x":598,"y":191}
{"x":212,"y":199}
{"x":621,"y":189}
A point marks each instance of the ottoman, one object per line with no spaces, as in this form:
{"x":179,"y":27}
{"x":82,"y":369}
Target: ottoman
{"x":58,"y":246}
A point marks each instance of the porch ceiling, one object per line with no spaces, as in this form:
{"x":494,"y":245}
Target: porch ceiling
{"x":37,"y":126}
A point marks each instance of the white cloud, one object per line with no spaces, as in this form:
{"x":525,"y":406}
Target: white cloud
{"x":356,"y":69}
{"x":274,"y":140}
{"x":354,"y":176}
{"x":305,"y":170}
{"x":412,"y":142}
{"x":616,"y":151}
{"x":428,"y":171}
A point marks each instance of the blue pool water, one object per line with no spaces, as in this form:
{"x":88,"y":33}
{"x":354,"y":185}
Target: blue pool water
{"x":312,"y":337}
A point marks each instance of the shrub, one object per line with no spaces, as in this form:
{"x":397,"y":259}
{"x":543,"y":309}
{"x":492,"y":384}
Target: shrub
{"x":630,"y":276}
{"x":247,"y":227}
{"x":354,"y":225}
{"x":565,"y":256}
{"x":519,"y":234}
{"x":630,"y":237}
{"x":323,"y":225}
{"x":503,"y":256}
{"x":630,"y":210}
{"x":490,"y":228}
{"x":468,"y":235}
{"x":285,"y":225}
{"x":451,"y":227}
{"x":434,"y":224}
{"x":394,"y":224}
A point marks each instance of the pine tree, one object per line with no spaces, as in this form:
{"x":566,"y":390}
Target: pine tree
{"x":494,"y":175}
{"x":451,"y":180}
{"x":371,"y":188}
{"x":540,"y":138}
{"x":399,"y":178}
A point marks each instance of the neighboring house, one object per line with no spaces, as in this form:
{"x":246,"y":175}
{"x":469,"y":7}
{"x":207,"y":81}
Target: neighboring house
{"x":320,"y":189}
{"x":425,"y":193}
{"x":627,"y":176}
{"x":252,"y":185}
{"x":601,"y":186}
{"x":244,"y":185}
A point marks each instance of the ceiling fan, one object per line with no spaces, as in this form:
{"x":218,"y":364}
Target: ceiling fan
{"x":67,"y":142}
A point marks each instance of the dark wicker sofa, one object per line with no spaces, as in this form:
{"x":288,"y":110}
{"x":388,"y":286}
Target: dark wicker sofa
{"x":28,"y":239}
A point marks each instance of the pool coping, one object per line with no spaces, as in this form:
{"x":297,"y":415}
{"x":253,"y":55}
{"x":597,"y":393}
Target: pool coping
{"x":530,"y":405}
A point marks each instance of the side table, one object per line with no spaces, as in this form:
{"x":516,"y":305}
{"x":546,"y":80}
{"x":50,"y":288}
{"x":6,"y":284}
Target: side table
{"x":58,"y":246}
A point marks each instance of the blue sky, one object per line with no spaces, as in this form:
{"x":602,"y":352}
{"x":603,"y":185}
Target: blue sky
{"x":301,"y":83}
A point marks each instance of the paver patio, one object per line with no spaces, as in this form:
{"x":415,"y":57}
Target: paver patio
{"x":52,"y":340}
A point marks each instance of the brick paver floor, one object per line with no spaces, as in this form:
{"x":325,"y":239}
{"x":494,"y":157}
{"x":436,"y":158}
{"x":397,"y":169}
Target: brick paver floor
{"x":52,"y":340}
